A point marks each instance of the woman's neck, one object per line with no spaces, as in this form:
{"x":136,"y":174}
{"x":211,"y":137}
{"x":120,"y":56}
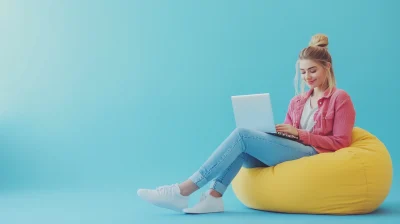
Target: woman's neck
{"x":319,"y":91}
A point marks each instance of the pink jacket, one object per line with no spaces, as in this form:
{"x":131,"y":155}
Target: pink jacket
{"x":334,"y":118}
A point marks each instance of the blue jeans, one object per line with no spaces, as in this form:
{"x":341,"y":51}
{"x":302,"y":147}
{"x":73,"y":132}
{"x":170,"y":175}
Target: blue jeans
{"x":250,"y":149}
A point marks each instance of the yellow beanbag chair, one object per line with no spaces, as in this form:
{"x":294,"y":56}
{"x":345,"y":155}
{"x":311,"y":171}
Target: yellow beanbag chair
{"x":352,"y":180}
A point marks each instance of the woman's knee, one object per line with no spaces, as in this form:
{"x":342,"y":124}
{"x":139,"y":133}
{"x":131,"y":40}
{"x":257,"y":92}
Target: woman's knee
{"x":246,"y":134}
{"x":238,"y":136}
{"x":242,"y":132}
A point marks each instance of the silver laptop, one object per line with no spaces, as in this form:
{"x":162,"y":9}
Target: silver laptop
{"x":254,"y":111}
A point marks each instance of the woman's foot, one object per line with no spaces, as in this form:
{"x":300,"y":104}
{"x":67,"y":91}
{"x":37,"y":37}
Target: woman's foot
{"x":207,"y":204}
{"x":168,"y":196}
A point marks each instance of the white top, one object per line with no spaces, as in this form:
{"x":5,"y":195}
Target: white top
{"x":307,"y":117}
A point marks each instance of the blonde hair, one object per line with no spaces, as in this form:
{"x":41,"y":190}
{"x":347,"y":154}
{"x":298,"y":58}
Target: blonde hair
{"x":316,"y":51}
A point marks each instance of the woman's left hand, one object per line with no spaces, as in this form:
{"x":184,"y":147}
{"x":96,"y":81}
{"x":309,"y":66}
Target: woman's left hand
{"x":287,"y":128}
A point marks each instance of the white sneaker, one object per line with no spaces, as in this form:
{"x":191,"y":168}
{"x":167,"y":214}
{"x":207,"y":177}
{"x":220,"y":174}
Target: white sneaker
{"x":168,"y":196}
{"x":207,"y":204}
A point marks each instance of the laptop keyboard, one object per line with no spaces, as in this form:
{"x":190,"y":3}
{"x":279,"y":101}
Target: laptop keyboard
{"x":287,"y":135}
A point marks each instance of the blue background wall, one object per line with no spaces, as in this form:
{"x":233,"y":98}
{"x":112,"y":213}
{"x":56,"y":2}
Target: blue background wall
{"x":99,"y":94}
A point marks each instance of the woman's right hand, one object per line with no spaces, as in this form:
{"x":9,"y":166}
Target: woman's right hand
{"x":287,"y":128}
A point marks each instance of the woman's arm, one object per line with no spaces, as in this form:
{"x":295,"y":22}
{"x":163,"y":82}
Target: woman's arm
{"x":342,"y":127}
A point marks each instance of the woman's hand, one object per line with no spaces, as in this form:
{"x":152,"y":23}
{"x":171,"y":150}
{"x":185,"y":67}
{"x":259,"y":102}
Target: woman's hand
{"x":287,"y":128}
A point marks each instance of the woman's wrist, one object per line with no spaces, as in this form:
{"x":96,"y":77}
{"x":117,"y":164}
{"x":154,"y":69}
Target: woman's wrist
{"x":297,"y":133}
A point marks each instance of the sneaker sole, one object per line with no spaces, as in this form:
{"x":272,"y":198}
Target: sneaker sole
{"x":162,"y":205}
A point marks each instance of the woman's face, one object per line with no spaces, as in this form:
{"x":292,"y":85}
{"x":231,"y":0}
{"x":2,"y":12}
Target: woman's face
{"x":312,"y":73}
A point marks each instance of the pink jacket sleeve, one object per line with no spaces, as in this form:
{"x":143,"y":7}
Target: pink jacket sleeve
{"x":342,"y":127}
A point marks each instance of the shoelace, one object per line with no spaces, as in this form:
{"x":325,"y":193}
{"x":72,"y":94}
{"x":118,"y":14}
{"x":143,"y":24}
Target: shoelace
{"x":165,"y":189}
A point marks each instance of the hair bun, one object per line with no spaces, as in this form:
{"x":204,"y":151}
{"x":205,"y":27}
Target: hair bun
{"x":319,"y":40}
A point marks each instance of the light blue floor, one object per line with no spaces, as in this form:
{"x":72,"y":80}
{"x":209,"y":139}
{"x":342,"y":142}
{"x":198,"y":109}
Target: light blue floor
{"x":122,"y":206}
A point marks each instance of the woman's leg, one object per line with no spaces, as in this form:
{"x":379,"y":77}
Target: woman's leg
{"x":228,"y":158}
{"x":224,"y":164}
{"x":188,"y":187}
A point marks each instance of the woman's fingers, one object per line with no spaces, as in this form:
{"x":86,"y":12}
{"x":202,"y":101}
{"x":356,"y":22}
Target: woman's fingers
{"x":281,"y":125}
{"x":282,"y":128}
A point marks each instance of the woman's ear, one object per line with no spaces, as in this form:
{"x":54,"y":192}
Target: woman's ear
{"x":328,"y":65}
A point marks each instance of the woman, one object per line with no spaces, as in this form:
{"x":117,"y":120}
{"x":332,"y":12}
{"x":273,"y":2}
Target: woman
{"x":322,"y":119}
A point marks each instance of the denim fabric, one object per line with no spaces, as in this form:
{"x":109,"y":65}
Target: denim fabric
{"x":248,"y":148}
